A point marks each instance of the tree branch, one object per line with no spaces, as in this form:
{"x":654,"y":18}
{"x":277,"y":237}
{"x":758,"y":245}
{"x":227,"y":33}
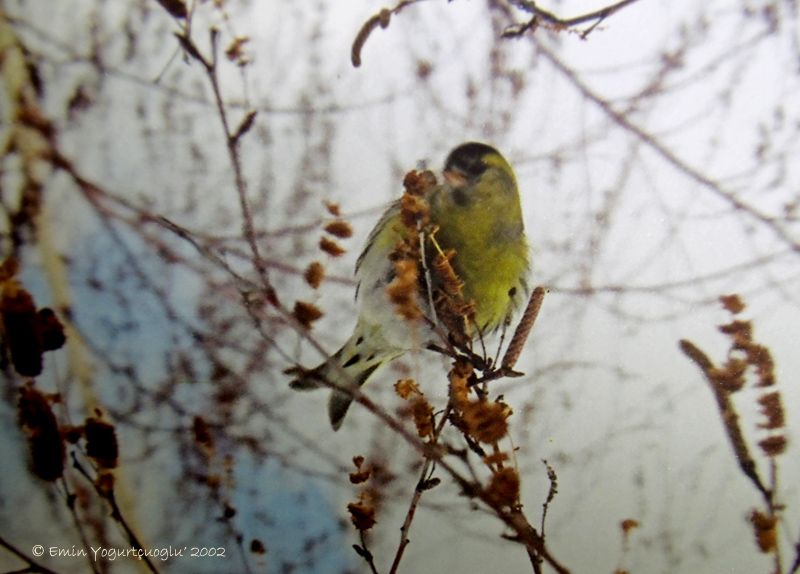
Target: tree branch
{"x":32,"y":566}
{"x":541,"y":15}
{"x":666,"y":154}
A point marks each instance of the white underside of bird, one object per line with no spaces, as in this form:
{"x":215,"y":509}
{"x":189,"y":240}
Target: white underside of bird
{"x":375,"y":341}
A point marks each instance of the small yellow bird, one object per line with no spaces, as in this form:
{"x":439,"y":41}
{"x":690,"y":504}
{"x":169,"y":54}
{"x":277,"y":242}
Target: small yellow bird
{"x":476,"y":212}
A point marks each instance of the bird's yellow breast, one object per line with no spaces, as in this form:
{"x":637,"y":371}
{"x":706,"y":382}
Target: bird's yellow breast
{"x":483,"y":223}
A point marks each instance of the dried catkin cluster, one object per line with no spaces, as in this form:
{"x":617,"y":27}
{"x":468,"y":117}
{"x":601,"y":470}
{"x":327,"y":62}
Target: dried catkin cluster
{"x":27,"y":332}
{"x":305,"y":312}
{"x":423,"y":269}
{"x":407,"y":256}
{"x":372,"y":480}
{"x":748,"y":356}
{"x":749,"y":362}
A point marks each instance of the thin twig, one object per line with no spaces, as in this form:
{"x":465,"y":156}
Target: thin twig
{"x":232,"y":139}
{"x":551,"y":493}
{"x":427,"y":275}
{"x":32,"y":566}
{"x":774,"y":509}
{"x":116,"y":512}
{"x":796,"y":564}
{"x":669,"y":156}
{"x":533,"y":541}
{"x":514,"y":519}
{"x":70,"y":499}
{"x":422,"y":486}
{"x":380,"y":19}
{"x":365,"y":552}
{"x":542,"y":15}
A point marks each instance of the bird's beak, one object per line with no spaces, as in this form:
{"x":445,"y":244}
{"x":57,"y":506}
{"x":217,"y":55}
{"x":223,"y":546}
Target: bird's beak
{"x":454,"y":178}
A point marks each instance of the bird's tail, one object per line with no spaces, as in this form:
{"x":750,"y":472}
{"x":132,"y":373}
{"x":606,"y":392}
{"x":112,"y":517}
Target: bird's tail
{"x":350,"y":367}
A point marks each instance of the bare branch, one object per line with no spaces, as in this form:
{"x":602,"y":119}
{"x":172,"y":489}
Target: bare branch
{"x":668,"y":155}
{"x":422,"y":485}
{"x":542,"y":16}
{"x":32,"y":566}
{"x":380,"y":19}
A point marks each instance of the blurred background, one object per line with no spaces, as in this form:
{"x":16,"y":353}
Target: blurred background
{"x":656,"y":151}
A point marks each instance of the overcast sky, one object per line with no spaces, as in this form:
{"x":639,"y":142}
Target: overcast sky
{"x":636,"y":225}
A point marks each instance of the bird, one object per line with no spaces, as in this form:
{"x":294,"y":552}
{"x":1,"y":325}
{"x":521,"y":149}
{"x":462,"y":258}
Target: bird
{"x":476,"y":217}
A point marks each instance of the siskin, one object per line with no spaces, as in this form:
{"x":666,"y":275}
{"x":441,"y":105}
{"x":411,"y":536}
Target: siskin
{"x":477,"y":219}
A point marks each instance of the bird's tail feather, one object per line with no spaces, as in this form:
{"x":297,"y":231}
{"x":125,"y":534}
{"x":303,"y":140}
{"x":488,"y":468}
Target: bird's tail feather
{"x":305,"y":382}
{"x":353,"y":364}
{"x":340,"y":400}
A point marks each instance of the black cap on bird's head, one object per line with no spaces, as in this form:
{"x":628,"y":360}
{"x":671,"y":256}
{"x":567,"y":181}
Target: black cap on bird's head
{"x":468,"y":158}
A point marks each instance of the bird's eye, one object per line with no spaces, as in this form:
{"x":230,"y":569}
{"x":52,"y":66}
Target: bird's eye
{"x":470,"y":163}
{"x":475,"y":166}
